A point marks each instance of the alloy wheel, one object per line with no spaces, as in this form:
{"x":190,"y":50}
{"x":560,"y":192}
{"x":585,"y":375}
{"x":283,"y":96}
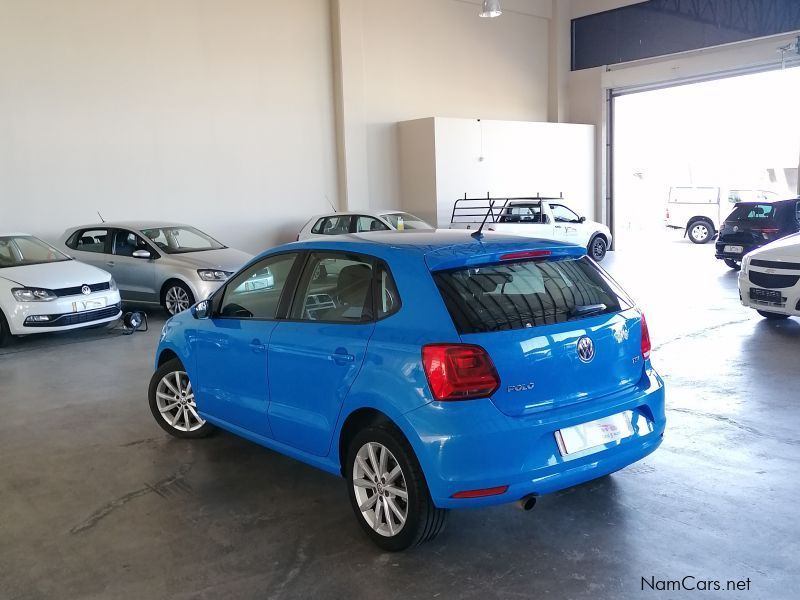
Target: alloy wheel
{"x":380,"y":489}
{"x":700,"y":232}
{"x":598,"y":248}
{"x":175,"y":402}
{"x":177,"y":300}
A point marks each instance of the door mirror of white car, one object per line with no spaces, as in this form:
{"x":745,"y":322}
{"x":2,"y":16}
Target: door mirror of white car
{"x":202,"y":310}
{"x":141,"y":254}
{"x":582,"y":220}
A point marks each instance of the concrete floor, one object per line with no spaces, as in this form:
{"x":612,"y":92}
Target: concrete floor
{"x":97,"y":502}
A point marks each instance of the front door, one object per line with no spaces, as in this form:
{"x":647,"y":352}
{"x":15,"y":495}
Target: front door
{"x":315,"y":355}
{"x":231,"y":348}
{"x":136,"y":277}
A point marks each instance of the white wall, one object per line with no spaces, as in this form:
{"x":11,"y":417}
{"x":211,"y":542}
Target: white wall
{"x":215,"y":113}
{"x":412,"y":59}
{"x":445,"y":158}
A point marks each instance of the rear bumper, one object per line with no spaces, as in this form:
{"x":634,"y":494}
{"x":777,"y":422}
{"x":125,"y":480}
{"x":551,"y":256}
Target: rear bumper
{"x":471,"y":445}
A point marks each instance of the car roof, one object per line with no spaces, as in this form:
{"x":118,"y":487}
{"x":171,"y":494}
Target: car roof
{"x":768,"y":201}
{"x":130,"y":225}
{"x":440,"y":248}
{"x":15,"y":234}
{"x":368,"y":213}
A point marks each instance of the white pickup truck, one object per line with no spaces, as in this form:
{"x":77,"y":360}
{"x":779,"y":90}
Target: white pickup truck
{"x":535,"y":217}
{"x":700,"y":210}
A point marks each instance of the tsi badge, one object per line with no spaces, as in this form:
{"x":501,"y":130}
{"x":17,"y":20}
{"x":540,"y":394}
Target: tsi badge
{"x":585,"y":348}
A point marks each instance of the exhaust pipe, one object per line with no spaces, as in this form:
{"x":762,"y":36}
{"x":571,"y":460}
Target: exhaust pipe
{"x":526,"y":502}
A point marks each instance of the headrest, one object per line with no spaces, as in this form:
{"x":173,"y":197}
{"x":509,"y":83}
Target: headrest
{"x":353,"y":283}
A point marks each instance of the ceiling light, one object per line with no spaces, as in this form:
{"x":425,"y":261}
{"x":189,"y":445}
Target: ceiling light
{"x":491,"y":8}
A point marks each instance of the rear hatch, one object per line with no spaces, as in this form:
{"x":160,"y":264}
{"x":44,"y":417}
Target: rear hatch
{"x":751,"y":223}
{"x":531,"y":316}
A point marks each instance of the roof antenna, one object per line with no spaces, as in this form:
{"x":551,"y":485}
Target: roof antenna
{"x":101,"y":216}
{"x":329,"y":202}
{"x":478,"y":235}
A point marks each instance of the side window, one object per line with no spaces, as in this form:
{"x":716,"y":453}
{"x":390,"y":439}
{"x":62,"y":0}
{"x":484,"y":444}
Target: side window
{"x":387,"y":299}
{"x":127,"y":242}
{"x":526,"y":213}
{"x":335,"y":288}
{"x":797,"y":211}
{"x":89,"y":240}
{"x":255,"y":293}
{"x":369,"y":224}
{"x":333,"y":225}
{"x":562,"y":214}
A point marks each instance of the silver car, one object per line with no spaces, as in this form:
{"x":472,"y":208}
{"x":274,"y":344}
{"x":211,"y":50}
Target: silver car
{"x":154,"y":262}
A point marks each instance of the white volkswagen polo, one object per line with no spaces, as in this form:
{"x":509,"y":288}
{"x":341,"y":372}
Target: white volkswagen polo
{"x":42,"y":289}
{"x":770,"y":278}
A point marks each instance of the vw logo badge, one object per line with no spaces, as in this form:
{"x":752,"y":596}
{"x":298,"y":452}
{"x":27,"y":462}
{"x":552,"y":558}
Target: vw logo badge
{"x":86,"y":290}
{"x":585,"y":349}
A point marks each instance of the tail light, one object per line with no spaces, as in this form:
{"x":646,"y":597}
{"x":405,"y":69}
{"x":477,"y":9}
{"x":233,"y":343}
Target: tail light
{"x":667,"y":213}
{"x":459,"y":371}
{"x":645,"y":339}
{"x":766,"y":231}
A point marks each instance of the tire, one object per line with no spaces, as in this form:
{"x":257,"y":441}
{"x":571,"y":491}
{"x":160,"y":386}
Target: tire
{"x":597,"y":248}
{"x":423,"y":520}
{"x":733,"y":264}
{"x":772,"y":316}
{"x":5,"y":332}
{"x":169,"y":378}
{"x":177,"y":297}
{"x":700,"y":231}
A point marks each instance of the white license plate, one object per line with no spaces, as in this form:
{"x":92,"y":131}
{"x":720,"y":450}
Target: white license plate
{"x":94,"y":303}
{"x":734,"y":249}
{"x":595,"y":433}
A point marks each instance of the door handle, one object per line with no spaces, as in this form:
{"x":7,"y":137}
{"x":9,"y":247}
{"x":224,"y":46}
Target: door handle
{"x":257,"y":347}
{"x":342,"y":357}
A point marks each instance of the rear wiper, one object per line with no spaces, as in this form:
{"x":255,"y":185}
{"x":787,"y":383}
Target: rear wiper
{"x":587,"y":309}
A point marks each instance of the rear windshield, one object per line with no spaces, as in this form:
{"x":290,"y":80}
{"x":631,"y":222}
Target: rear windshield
{"x":753,"y":212}
{"x":523,"y":294}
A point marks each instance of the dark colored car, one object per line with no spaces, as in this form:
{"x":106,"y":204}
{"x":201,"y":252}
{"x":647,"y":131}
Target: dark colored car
{"x":753,"y":224}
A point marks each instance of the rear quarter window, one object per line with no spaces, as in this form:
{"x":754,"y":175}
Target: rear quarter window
{"x":527,"y":294}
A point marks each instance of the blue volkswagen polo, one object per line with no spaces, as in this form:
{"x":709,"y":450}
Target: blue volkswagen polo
{"x":432,"y":370}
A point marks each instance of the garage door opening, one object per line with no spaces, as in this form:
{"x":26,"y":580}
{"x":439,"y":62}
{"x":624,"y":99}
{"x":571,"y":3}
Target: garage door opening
{"x":698,"y":148}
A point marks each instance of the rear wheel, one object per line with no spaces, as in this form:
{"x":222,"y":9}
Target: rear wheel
{"x":173,"y":404}
{"x":700,"y":232}
{"x":772,"y":316}
{"x":733,"y":264}
{"x":598,"y":248}
{"x":388,"y":492}
{"x":177,"y":297}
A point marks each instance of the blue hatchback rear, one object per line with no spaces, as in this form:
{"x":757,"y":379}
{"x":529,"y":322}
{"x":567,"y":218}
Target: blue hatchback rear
{"x":432,"y":370}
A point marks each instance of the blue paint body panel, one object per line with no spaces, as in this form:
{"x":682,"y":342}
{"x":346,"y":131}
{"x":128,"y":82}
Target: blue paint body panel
{"x":282,"y":384}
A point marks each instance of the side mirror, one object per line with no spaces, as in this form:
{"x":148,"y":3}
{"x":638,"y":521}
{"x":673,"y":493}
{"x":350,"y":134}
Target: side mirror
{"x":141,"y":254}
{"x":582,"y":220}
{"x":202,"y":310}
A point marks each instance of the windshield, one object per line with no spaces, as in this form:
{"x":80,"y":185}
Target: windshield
{"x":21,"y":250}
{"x":404,"y":220}
{"x":518,"y":295}
{"x":179,"y":240}
{"x":753,"y":212}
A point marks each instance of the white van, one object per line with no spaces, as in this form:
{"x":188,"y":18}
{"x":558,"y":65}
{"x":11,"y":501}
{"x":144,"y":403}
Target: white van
{"x":699,"y":211}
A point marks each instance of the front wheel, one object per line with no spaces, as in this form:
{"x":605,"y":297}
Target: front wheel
{"x":735,"y":265}
{"x":598,"y":248}
{"x":388,"y":492}
{"x":173,"y":404}
{"x":5,"y":332}
{"x":700,"y":232}
{"x":177,"y":297}
{"x":772,"y":316}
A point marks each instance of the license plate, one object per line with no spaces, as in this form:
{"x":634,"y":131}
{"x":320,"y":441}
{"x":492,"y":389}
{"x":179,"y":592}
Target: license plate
{"x":595,"y":433}
{"x":734,"y":249}
{"x":766,"y":295}
{"x":82,"y":305}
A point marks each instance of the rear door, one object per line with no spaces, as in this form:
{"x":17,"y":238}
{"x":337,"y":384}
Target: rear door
{"x":558,"y":331}
{"x":315,"y":355}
